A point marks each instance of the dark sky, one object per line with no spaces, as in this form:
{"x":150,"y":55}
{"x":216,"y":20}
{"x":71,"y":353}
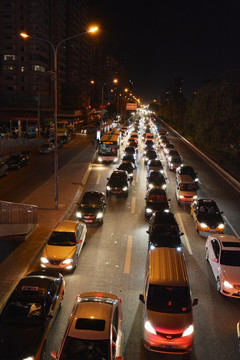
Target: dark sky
{"x":160,"y":40}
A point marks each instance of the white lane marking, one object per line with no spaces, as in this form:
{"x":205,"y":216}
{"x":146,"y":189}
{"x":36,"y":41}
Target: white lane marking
{"x":185,"y":234}
{"x":233,"y":230}
{"x":133,"y":205}
{"x":98,"y":179}
{"x":128,"y":255}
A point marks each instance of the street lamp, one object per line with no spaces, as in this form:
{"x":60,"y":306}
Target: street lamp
{"x":55,"y":53}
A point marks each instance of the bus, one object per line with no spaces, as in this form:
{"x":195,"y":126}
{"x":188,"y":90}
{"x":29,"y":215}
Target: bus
{"x":109,"y":147}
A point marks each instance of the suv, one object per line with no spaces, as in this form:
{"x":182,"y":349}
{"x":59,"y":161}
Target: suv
{"x":118,"y":183}
{"x":155,"y":179}
{"x":92,"y":207}
{"x":156,"y":199}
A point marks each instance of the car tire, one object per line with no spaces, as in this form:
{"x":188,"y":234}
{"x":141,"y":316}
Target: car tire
{"x":219,"y":285}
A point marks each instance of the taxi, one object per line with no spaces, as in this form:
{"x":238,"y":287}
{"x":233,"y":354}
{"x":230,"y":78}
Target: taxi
{"x":207,"y":217}
{"x":28,"y":315}
{"x":64,"y":246}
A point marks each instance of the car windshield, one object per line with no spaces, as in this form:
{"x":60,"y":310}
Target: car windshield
{"x":62,"y":238}
{"x":105,"y":149}
{"x":76,"y":349}
{"x":176,"y":160}
{"x":208,"y":209}
{"x":166,"y":230}
{"x":187,"y":187}
{"x":22,"y":312}
{"x":230,"y":258}
{"x":169,"y":299}
{"x":187,"y":171}
{"x":91,"y":201}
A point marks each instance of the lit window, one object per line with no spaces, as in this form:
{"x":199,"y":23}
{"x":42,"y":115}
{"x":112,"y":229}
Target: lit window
{"x":9,"y":67}
{"x":38,"y":68}
{"x":22,"y":68}
{"x":9,"y":57}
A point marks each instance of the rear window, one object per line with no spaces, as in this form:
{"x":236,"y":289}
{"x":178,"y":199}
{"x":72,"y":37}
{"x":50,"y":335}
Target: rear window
{"x":90,"y":324}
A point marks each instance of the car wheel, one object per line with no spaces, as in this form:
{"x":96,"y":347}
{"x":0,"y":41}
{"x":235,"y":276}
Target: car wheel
{"x":218,"y":285}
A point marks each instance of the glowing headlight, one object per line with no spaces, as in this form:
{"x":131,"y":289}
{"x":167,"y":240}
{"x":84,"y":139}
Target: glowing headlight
{"x":99,"y":215}
{"x":148,"y":211}
{"x":221,"y":226}
{"x":196,"y":180}
{"x":188,"y":331}
{"x":164,"y":186}
{"x":203,"y":225}
{"x":181,"y":197}
{"x":195,"y":197}
{"x":150,"y":186}
{"x":115,"y":160}
{"x":44,"y":260}
{"x":29,"y":358}
{"x":227,"y":284}
{"x":125,"y":188}
{"x":169,"y":158}
{"x":149,"y":328}
{"x":108,"y":188}
{"x":67,"y":261}
{"x":179,"y":248}
{"x":146,"y":159}
{"x":152,"y":247}
{"x":100,"y":159}
{"x":79,"y":214}
{"x":131,"y":175}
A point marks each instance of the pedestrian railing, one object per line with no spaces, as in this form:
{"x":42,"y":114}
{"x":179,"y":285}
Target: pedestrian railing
{"x":14,"y":213}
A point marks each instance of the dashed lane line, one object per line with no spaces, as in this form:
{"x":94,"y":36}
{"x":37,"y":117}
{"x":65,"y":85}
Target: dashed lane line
{"x":128,"y":255}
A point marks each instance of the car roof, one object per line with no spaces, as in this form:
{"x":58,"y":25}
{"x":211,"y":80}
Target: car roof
{"x":206,"y":202}
{"x":93,"y":193}
{"x":167,"y":217}
{"x":156,"y":191}
{"x":185,"y":179}
{"x":228,"y":242}
{"x":67,"y":226}
{"x":95,"y":305}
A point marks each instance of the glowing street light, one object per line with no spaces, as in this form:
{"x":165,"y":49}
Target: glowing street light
{"x":55,"y":53}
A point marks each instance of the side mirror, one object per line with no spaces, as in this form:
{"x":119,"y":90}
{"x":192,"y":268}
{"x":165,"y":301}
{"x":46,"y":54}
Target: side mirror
{"x":169,"y":199}
{"x":147,"y":232}
{"x":195,"y":302}
{"x":107,"y":178}
{"x":141,"y":298}
{"x":181,"y":234}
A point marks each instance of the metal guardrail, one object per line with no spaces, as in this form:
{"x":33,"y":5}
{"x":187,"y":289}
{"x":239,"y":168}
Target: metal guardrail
{"x":14,"y":213}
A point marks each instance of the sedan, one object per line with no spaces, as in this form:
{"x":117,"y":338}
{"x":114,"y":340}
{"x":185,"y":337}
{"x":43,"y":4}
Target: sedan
{"x":15,"y":162}
{"x":156,"y":199}
{"x":155,"y":164}
{"x":156,"y":179}
{"x":188,"y":170}
{"x":149,"y":155}
{"x":127,"y":166}
{"x":129,"y":159}
{"x":174,"y":162}
{"x":130,"y":150}
{"x":92,"y":207}
{"x":118,"y":183}
{"x":167,"y":148}
{"x":223,"y":254}
{"x":29,"y":314}
{"x":46,"y":148}
{"x":3,"y":169}
{"x":207,"y":217}
{"x":94,"y":329}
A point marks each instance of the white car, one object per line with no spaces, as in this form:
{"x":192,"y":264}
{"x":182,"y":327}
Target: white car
{"x":223,"y":254}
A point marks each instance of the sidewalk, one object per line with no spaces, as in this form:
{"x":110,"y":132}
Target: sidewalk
{"x":72,"y":179}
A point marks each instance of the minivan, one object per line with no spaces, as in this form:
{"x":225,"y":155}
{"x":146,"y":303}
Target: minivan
{"x":186,"y":191}
{"x":168,"y":317}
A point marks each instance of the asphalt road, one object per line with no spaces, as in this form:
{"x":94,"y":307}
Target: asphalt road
{"x":113,"y":259}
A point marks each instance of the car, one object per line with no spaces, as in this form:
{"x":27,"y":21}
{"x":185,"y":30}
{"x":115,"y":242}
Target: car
{"x":118,"y":183}
{"x":46,"y":148}
{"x":129,"y":159}
{"x":28,"y":315}
{"x":3,"y":169}
{"x":155,"y":164}
{"x":94,"y":329}
{"x":130,"y":150}
{"x":65,"y":138}
{"x":186,"y":191}
{"x":92,"y":207}
{"x":174,"y":162}
{"x":149,"y":155}
{"x":156,"y":199}
{"x":134,"y":144}
{"x":155,"y":179}
{"x":163,"y":230}
{"x":127,"y":166}
{"x":172,"y":153}
{"x":149,"y":144}
{"x":64,"y":245}
{"x":15,"y":162}
{"x":207,"y":217}
{"x":188,"y":170}
{"x":164,"y":142}
{"x":223,"y":255}
{"x":167,"y":148}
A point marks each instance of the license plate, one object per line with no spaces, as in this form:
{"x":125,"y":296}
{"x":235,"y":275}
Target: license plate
{"x":169,"y":346}
{"x":89,"y":221}
{"x":212,"y":230}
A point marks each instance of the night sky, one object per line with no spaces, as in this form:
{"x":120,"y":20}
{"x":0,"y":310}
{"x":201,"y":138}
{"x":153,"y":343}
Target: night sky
{"x":160,"y":40}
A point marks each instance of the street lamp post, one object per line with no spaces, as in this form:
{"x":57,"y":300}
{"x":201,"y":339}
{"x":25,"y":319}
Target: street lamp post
{"x":55,"y":53}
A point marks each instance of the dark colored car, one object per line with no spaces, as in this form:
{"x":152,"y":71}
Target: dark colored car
{"x":156,"y":199}
{"x":134,"y":144}
{"x":174,"y":162}
{"x":127,"y":166}
{"x":118,"y":183}
{"x":15,"y":162}
{"x":3,"y":169}
{"x":155,"y":164}
{"x":155,"y":179}
{"x":92,"y":207}
{"x":149,"y":145}
{"x":163,"y":230}
{"x":28,"y":315}
{"x":188,"y":170}
{"x":129,"y":158}
{"x":130,"y":150}
{"x":149,"y":155}
{"x":207,"y":217}
{"x":65,"y":138}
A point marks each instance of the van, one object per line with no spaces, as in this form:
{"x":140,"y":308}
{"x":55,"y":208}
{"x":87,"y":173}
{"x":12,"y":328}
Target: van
{"x":168,"y":317}
{"x":186,"y":191}
{"x":64,"y":245}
